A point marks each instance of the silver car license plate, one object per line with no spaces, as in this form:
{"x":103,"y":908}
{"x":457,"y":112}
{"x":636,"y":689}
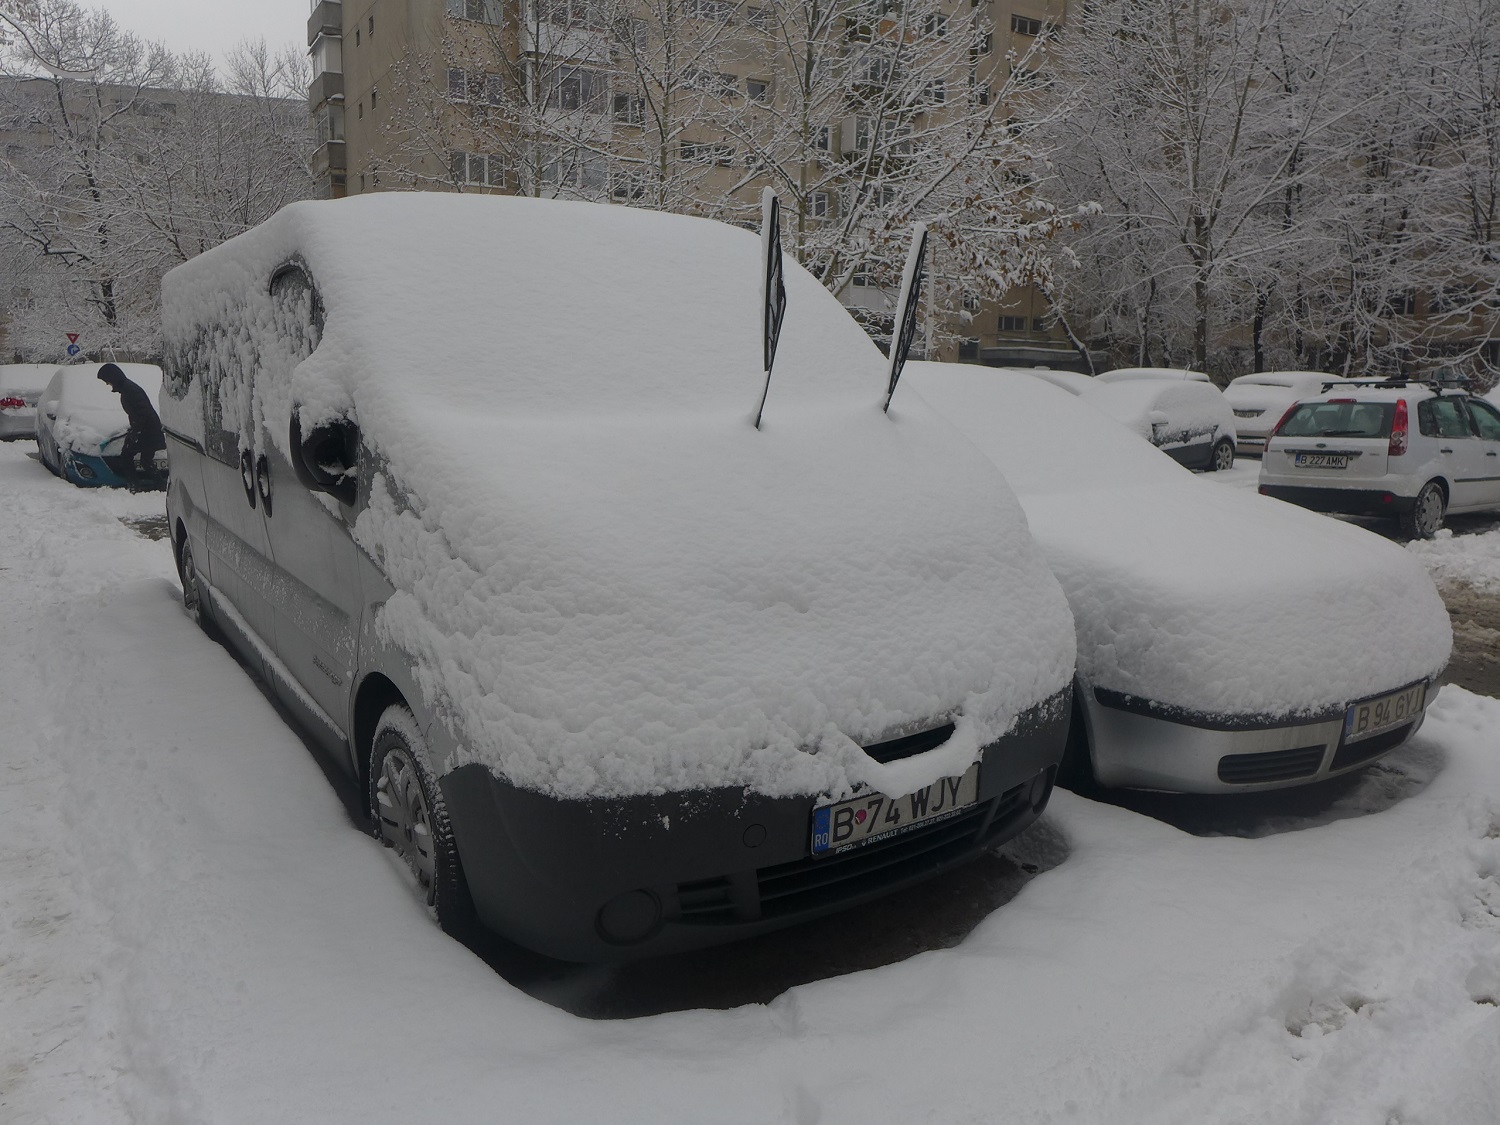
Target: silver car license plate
{"x":1321,"y":460}
{"x":873,"y":816}
{"x":1375,"y":716}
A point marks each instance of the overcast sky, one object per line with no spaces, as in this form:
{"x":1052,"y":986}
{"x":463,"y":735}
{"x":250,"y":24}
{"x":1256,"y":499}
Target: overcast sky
{"x":212,"y":25}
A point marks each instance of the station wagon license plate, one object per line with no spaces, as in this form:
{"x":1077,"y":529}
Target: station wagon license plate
{"x":1375,"y":716}
{"x":861,"y":820}
{"x":1321,"y":460}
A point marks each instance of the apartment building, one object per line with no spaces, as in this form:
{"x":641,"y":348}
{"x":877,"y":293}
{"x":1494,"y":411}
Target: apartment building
{"x":692,"y":105}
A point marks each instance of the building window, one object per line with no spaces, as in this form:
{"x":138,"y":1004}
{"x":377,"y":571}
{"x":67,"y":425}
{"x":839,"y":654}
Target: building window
{"x":480,"y":11}
{"x":1038,"y":324}
{"x":1024,"y":25}
{"x":374,"y":97}
{"x":817,"y":204}
{"x":329,"y":121}
{"x":361,"y":113}
{"x":822,"y":138}
{"x":717,"y":11}
{"x":458,"y":84}
{"x":935,"y":25}
{"x":372,"y":24}
{"x":935,"y":92}
{"x":627,"y":186}
{"x":576,"y":88}
{"x":968,"y":349}
{"x":1013,"y":324}
{"x":861,"y":278}
{"x":757,"y":90}
{"x":982,"y":45}
{"x":971,"y":300}
{"x":477,"y":169}
{"x":629,"y":110}
{"x":708,"y":152}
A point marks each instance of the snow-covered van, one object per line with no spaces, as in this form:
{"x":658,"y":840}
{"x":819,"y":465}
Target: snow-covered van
{"x":475,"y":483}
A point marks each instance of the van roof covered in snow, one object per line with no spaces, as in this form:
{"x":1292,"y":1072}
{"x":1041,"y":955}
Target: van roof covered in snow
{"x":603,"y":572}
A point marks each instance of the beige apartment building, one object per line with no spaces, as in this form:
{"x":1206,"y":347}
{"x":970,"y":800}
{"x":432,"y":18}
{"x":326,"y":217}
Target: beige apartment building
{"x":566,"y":97}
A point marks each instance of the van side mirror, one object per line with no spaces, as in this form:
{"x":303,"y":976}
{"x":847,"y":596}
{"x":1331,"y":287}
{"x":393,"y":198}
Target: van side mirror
{"x":324,"y":457}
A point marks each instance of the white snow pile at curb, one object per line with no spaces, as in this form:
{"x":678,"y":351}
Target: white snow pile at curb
{"x":610,"y":583}
{"x":1474,"y":559}
{"x":195,"y":933}
{"x":1207,"y":598}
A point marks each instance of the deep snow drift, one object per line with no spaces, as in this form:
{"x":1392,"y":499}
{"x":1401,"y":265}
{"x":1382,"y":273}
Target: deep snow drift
{"x":194,"y":933}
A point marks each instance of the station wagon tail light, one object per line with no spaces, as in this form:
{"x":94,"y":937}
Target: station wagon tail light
{"x":1398,"y":431}
{"x":12,"y":403}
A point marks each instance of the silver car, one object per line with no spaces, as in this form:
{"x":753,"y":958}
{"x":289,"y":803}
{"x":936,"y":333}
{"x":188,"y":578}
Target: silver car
{"x":21,"y":385}
{"x":1225,"y":644}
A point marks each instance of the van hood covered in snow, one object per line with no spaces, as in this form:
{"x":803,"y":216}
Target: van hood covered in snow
{"x":609,"y":582}
{"x":1187,"y":592}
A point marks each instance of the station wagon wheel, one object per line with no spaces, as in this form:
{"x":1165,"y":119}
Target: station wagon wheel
{"x":1223,"y":457}
{"x":411,"y":819}
{"x":1426,"y":515}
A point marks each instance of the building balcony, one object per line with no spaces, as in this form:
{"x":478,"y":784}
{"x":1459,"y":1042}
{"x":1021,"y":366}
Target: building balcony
{"x":328,"y":158}
{"x":323,"y":88}
{"x":327,"y":19}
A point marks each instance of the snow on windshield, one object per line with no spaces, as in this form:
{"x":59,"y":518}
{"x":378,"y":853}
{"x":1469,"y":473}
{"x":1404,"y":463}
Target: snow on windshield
{"x":1186,"y":592}
{"x":606,"y":578}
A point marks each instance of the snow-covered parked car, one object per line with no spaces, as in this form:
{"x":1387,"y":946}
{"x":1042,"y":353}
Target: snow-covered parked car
{"x":1261,"y":400}
{"x":21,"y":384}
{"x":81,"y":427}
{"x":1387,"y":447}
{"x":1136,"y":374}
{"x":619,"y":672}
{"x":1225,"y":643}
{"x":1186,"y":419}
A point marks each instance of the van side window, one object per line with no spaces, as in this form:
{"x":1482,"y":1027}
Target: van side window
{"x":226,"y":393}
{"x":298,"y":310}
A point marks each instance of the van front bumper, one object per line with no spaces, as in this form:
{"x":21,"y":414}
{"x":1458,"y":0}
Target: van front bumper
{"x":619,"y":879}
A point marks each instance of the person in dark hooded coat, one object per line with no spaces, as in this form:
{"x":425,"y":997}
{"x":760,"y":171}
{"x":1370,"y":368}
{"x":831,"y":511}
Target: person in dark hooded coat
{"x":145,"y":436}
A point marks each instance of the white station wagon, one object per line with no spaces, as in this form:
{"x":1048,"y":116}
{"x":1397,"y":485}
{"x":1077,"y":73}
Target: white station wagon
{"x":1397,"y":448}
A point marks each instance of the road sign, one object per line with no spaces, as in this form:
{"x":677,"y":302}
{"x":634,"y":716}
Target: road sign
{"x":73,"y":349}
{"x":72,"y":337}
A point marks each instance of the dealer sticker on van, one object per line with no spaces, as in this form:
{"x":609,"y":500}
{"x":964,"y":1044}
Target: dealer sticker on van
{"x":872,"y":816}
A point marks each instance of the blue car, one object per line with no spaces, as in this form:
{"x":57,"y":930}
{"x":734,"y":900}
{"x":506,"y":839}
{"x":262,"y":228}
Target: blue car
{"x":81,"y":427}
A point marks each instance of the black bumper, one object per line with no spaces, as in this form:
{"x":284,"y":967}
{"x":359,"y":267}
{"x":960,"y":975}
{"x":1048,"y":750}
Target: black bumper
{"x":684,"y":870}
{"x":1344,"y":501}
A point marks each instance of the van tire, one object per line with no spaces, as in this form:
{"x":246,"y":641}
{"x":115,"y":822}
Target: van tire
{"x":1426,"y":515}
{"x":410,"y":817}
{"x":192,"y":587}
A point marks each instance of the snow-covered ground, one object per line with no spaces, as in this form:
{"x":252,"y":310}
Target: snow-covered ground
{"x":192,"y":930}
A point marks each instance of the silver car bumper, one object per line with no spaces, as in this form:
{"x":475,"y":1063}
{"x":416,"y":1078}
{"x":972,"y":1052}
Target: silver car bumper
{"x":1135,"y":750}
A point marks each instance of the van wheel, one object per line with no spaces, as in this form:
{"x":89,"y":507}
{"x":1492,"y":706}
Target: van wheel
{"x":411,"y":819}
{"x":1426,"y":515}
{"x":192,"y":590}
{"x":1223,"y":457}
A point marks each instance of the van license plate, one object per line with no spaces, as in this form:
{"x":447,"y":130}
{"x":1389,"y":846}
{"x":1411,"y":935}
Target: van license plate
{"x":861,"y":820}
{"x":1375,"y":716}
{"x":1321,"y":460}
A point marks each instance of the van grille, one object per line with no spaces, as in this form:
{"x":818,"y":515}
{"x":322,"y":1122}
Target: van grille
{"x":1372,"y":747}
{"x":1276,"y":765}
{"x":810,"y":883}
{"x":911,"y":745}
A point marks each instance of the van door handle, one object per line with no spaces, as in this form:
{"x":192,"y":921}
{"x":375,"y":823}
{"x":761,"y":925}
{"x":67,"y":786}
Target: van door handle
{"x":1491,"y":453}
{"x":263,"y":483}
{"x":1445,"y":449}
{"x":247,"y":477}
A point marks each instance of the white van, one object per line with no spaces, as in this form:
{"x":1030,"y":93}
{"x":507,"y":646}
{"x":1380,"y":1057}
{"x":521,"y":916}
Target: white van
{"x":474,"y":482}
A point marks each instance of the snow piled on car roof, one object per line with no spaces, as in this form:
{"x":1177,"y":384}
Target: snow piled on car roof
{"x":1190,"y":594}
{"x":607,"y":580}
